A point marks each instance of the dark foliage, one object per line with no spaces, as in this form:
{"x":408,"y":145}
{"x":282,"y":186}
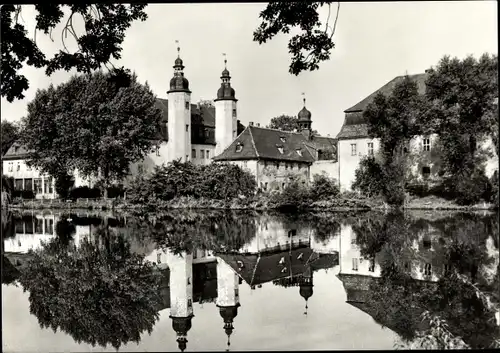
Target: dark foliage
{"x":10,"y":133}
{"x":84,"y":192}
{"x":105,"y":26}
{"x":98,"y":295}
{"x":219,"y":181}
{"x":282,"y":16}
{"x":369,"y":177}
{"x":63,"y":183}
{"x":24,"y":194}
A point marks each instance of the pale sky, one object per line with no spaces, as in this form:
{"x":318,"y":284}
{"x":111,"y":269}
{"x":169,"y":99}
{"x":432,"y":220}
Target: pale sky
{"x":374,"y":42}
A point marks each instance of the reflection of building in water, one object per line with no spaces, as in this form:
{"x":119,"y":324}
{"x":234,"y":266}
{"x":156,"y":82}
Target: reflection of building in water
{"x":30,"y":231}
{"x":228,"y":299}
{"x":181,"y":295}
{"x":272,"y":233}
{"x":287,"y":263}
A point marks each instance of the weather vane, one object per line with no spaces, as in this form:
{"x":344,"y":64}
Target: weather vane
{"x":178,"y":48}
{"x":225,"y":60}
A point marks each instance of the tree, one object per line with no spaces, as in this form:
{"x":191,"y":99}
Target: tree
{"x":464,"y":106}
{"x":286,"y":123}
{"x":282,"y":16}
{"x":99,"y":124}
{"x":98,"y":295}
{"x":10,"y":133}
{"x":105,"y":26}
{"x":395,"y":119}
{"x":369,"y":177}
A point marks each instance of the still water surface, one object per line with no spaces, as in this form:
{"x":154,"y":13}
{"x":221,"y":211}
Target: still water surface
{"x":246,"y":281}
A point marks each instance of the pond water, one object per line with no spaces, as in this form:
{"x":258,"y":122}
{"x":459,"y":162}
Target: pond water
{"x":248,"y":281}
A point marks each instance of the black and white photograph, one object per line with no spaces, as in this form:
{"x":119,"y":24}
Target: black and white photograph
{"x":250,"y":176}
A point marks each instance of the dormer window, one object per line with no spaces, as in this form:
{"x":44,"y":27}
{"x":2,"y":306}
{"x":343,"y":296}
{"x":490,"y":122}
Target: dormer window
{"x":280,"y":148}
{"x":239,"y":147}
{"x":282,"y":138}
{"x":299,"y":152}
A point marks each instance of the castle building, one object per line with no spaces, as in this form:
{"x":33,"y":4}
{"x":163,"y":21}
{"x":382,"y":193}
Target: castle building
{"x":354,"y":143}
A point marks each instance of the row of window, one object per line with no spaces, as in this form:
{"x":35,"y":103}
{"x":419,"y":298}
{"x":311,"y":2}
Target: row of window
{"x":285,"y":165}
{"x":426,"y":146}
{"x":36,"y":227}
{"x":427,"y":270}
{"x":264,"y":185}
{"x":10,"y":167}
{"x":37,"y":185}
{"x":204,"y":154}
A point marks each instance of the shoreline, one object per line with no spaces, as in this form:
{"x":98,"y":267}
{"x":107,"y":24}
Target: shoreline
{"x":333,"y":205}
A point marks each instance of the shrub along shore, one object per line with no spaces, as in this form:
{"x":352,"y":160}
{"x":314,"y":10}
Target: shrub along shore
{"x":224,"y":186}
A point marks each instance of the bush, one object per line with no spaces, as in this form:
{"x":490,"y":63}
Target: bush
{"x":25,"y":194}
{"x":84,"y":192}
{"x":470,"y":190}
{"x":369,"y":177}
{"x":323,"y":187}
{"x":116,"y":191}
{"x":294,"y":196}
{"x":63,"y":183}
{"x":218,"y":181}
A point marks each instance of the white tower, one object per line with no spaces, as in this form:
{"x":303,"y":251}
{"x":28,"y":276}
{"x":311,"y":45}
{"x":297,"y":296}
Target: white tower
{"x":181,"y":294}
{"x":228,"y":298}
{"x":179,"y":114}
{"x":225,"y":113}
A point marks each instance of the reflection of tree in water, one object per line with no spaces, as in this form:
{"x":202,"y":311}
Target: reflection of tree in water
{"x":98,"y":294}
{"x":457,"y":298}
{"x":218,"y":231}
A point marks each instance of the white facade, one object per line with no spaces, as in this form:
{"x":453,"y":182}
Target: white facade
{"x":350,"y":153}
{"x":225,"y":124}
{"x":227,"y":285}
{"x":202,"y":154}
{"x":179,"y":126}
{"x":181,"y":284}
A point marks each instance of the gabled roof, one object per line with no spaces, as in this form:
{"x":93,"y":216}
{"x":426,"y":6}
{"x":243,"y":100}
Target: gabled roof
{"x":263,"y":268}
{"x":16,"y":151}
{"x":387,"y":89}
{"x":355,"y":125}
{"x":264,"y":143}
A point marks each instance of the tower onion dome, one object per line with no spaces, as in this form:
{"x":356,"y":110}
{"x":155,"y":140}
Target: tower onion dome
{"x":306,"y":286}
{"x":304,"y":115}
{"x":225,"y":92}
{"x":181,"y":326}
{"x":179,"y":83}
{"x":228,"y":313}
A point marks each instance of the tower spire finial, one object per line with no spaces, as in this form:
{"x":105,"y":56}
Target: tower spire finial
{"x":178,"y":49}
{"x":304,"y":98}
{"x":225,"y":60}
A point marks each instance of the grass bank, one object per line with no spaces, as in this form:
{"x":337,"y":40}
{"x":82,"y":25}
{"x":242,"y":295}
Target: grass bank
{"x":260,"y":202}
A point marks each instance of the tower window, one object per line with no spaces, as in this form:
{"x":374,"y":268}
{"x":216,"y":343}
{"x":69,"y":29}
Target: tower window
{"x":187,"y":105}
{"x":234,"y":113}
{"x":353,"y":149}
{"x":370,"y":148}
{"x":193,"y":153}
{"x":190,"y":303}
{"x":428,"y":269}
{"x":187,"y":127}
{"x":427,"y":144}
{"x":426,"y":172}
{"x":187,"y":158}
{"x":234,"y":134}
{"x":239,"y":147}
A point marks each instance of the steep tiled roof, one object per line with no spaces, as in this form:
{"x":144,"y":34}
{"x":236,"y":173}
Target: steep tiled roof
{"x":266,"y":267}
{"x":355,"y":125}
{"x":16,"y":151}
{"x":264,"y":143}
{"x":387,"y":89}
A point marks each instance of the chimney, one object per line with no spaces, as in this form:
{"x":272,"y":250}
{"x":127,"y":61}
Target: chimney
{"x":250,"y":123}
{"x":258,"y":124}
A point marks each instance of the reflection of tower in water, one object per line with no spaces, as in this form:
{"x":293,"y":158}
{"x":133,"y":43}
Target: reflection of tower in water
{"x":306,"y":285}
{"x":228,"y":299}
{"x":181,"y":295}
